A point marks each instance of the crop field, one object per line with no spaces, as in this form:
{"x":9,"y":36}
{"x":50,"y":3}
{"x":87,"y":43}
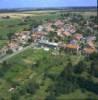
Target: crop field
{"x":40,"y":13}
{"x":26,"y":14}
{"x":19,"y":15}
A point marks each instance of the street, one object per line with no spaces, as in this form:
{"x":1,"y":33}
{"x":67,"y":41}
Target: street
{"x":15,"y":53}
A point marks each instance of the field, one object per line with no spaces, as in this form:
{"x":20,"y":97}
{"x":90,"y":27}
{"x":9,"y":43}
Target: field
{"x":20,"y":71}
{"x":39,"y":13}
{"x":26,"y":13}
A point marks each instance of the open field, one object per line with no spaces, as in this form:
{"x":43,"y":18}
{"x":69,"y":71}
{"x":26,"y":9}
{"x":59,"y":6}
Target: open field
{"x":87,"y":13}
{"x":19,"y":15}
{"x":25,"y":14}
{"x":40,"y":13}
{"x":21,"y":71}
{"x":2,"y":43}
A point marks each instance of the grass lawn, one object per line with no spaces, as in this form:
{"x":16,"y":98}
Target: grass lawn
{"x":10,"y":26}
{"x":2,"y":43}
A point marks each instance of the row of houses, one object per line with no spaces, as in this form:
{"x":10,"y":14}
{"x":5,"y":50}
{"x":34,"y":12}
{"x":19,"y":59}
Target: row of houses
{"x":76,"y":43}
{"x":16,"y":43}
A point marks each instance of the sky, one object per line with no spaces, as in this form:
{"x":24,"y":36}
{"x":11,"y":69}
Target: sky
{"x":45,"y":3}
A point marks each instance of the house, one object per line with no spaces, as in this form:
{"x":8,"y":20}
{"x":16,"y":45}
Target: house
{"x":48,"y":27}
{"x":91,"y":38}
{"x":72,"y":31}
{"x":65,"y":33}
{"x":73,"y":41}
{"x":46,"y":43}
{"x":70,"y":28}
{"x":73,"y":48}
{"x":78,"y":36}
{"x":59,"y":23}
{"x":89,"y":50}
{"x":37,"y":36}
{"x":40,"y":28}
{"x":23,"y":37}
{"x":96,"y":26}
{"x":59,"y":32}
{"x":13,"y":46}
{"x":3,"y":51}
{"x":90,"y":44}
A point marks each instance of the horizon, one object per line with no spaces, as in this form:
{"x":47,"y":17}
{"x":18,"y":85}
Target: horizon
{"x":49,"y":7}
{"x":8,"y":4}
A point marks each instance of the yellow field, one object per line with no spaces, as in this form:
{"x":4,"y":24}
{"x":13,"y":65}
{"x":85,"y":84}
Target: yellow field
{"x":38,"y":13}
{"x":25,"y":14}
{"x":17,"y":15}
{"x":87,"y":13}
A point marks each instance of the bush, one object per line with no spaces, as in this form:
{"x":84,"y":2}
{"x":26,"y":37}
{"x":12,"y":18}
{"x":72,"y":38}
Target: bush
{"x":31,"y":87}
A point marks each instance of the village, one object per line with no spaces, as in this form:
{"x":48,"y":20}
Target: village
{"x":57,"y":35}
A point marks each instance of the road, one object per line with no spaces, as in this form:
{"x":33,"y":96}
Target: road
{"x":15,"y":53}
{"x":10,"y":56}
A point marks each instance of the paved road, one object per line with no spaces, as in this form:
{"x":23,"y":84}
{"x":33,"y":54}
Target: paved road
{"x":9,"y":56}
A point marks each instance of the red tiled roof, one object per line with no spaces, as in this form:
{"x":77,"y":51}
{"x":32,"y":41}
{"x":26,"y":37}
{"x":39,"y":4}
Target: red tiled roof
{"x":72,"y":46}
{"x":89,"y":50}
{"x":91,"y":44}
{"x":78,"y":36}
{"x":66,"y":33}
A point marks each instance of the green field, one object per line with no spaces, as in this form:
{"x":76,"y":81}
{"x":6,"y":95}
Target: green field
{"x":32,"y":65}
{"x":20,"y":72}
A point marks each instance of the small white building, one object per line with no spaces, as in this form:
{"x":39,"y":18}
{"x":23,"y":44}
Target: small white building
{"x":46,"y":43}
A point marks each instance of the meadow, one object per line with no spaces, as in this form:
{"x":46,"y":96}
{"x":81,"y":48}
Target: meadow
{"x":21,"y":70}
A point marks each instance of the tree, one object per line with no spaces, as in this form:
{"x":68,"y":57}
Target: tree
{"x":1,"y":98}
{"x":94,"y":69}
{"x":9,"y":35}
{"x":15,"y":96}
{"x":80,"y":67}
{"x":92,"y":97}
{"x":31,"y":87}
{"x":51,"y":97}
{"x":52,"y":35}
{"x":65,"y":82}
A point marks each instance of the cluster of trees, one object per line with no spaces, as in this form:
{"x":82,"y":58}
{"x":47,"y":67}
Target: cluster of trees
{"x":4,"y":67}
{"x":71,"y":79}
{"x":94,"y":65}
{"x":67,"y":81}
{"x":29,"y":88}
